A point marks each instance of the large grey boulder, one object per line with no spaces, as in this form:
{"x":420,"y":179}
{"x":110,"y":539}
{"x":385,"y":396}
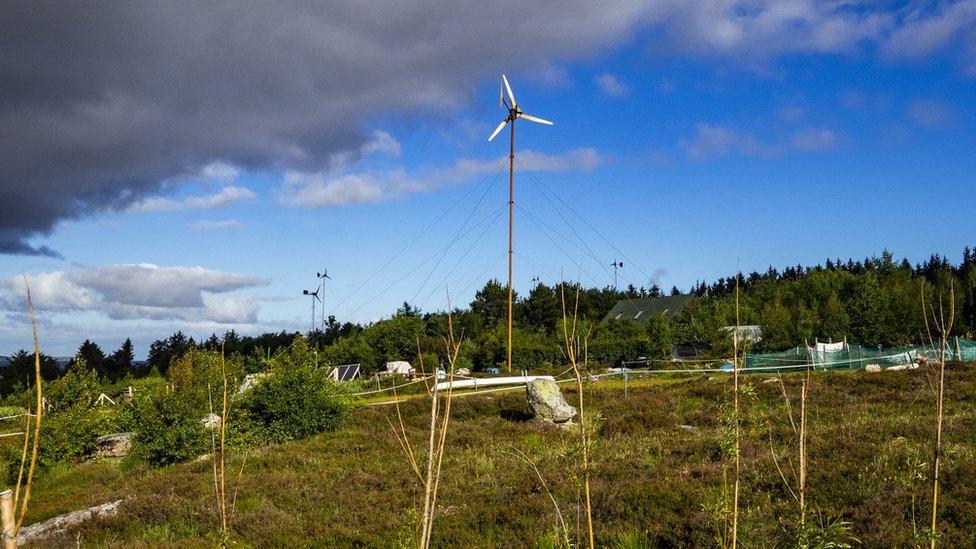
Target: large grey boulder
{"x":547,"y":402}
{"x":114,"y":445}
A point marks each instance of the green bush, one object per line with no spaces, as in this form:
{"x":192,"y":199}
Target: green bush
{"x":168,"y":428}
{"x":295,"y":400}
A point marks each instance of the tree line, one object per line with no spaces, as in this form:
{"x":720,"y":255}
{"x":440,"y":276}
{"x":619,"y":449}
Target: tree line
{"x":872,"y":302}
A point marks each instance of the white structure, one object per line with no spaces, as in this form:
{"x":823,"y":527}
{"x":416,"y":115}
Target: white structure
{"x":488,"y":381}
{"x":396,"y":367}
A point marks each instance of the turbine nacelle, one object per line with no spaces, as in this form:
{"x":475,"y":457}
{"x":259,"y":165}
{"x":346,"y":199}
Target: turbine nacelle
{"x":514,"y":112}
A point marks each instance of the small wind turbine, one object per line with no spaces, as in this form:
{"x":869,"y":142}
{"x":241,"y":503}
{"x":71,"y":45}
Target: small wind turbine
{"x":322,"y":276}
{"x":315,"y":297}
{"x":616,"y":264}
{"x":514,"y":113}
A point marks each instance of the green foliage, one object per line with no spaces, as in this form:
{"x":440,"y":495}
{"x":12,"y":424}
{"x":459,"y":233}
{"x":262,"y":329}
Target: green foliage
{"x":71,"y":426}
{"x":168,"y":428}
{"x":827,"y":534}
{"x":167,"y":418}
{"x":295,"y":400}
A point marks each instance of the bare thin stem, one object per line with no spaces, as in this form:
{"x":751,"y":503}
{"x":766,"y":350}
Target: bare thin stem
{"x":39,"y":382}
{"x":569,"y":335}
{"x":735,"y":404}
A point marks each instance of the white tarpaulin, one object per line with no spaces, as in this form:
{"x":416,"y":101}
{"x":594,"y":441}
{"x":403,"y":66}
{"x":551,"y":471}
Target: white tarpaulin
{"x":398,"y":367}
{"x":821,"y":351}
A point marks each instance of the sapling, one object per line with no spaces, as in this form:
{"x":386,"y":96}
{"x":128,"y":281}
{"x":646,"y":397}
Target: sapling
{"x":943,"y":326}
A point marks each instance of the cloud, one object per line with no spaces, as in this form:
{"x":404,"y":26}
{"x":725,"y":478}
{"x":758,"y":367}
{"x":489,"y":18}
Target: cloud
{"x":790,"y":114}
{"x":711,"y":141}
{"x":111,"y":103}
{"x":930,"y":113}
{"x":205,"y":225}
{"x":137,"y":96}
{"x":223,"y":197}
{"x":220,"y":171}
{"x":814,"y":140}
{"x":611,"y":86}
{"x":329,"y":189}
{"x":381,"y":142}
{"x":139,"y":291}
{"x":928,"y":29}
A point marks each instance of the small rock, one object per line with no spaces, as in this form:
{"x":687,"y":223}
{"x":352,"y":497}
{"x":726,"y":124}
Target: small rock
{"x":689,"y":428}
{"x":771,"y":380}
{"x":874,"y":368}
{"x":547,"y":402}
{"x":211,"y":421}
{"x":114,"y":445}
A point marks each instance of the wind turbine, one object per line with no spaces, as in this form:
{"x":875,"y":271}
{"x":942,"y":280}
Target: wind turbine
{"x":514,"y":113}
{"x":616,"y":265}
{"x":315,"y":297}
{"x":322,"y":276}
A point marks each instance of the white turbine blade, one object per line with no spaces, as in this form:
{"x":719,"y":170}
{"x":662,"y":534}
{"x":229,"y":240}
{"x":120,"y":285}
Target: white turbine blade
{"x":501,"y":96}
{"x":537,"y":120}
{"x":498,"y":129}
{"x":511,"y":96}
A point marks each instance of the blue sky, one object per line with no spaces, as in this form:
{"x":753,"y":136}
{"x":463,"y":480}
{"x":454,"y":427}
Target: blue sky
{"x":686,"y":155}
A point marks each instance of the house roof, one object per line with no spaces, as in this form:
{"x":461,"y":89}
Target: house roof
{"x":641,"y":310}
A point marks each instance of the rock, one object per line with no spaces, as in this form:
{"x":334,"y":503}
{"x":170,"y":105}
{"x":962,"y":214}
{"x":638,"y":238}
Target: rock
{"x":689,"y":428}
{"x":771,"y":380}
{"x":872,"y":368}
{"x":63,"y":522}
{"x":211,"y":421}
{"x":114,"y":445}
{"x":547,"y":403}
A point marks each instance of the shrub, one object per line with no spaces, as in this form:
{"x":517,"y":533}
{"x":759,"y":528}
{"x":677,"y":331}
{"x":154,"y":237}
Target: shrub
{"x":78,"y":387}
{"x":168,"y":428}
{"x":295,"y":400}
{"x":70,"y":428}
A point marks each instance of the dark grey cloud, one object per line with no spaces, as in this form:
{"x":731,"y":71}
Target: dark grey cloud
{"x":103,"y":103}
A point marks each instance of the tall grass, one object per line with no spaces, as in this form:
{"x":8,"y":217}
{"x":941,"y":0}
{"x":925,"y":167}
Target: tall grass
{"x":440,"y":417}
{"x":39,"y":389}
{"x":572,"y":345}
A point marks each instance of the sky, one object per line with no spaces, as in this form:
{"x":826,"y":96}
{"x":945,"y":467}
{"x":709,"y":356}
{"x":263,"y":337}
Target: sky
{"x":176,"y":166}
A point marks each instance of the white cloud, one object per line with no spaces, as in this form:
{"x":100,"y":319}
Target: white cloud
{"x":790,"y":114}
{"x":223,"y":197}
{"x":760,"y":29}
{"x":611,"y":86}
{"x":925,"y":31}
{"x":814,"y":140}
{"x":139,"y":291}
{"x":220,"y":171}
{"x":206,"y":225}
{"x":326,"y":189}
{"x":930,"y":113}
{"x":719,"y":141}
{"x":381,"y":142}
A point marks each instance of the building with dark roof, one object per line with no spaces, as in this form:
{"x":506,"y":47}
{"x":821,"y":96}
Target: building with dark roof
{"x":641,"y":310}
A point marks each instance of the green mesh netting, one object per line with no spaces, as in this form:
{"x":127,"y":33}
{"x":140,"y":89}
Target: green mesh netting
{"x":853,"y":357}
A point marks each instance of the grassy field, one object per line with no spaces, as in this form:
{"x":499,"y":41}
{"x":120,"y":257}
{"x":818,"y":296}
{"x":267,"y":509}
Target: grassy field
{"x":657,"y":477}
